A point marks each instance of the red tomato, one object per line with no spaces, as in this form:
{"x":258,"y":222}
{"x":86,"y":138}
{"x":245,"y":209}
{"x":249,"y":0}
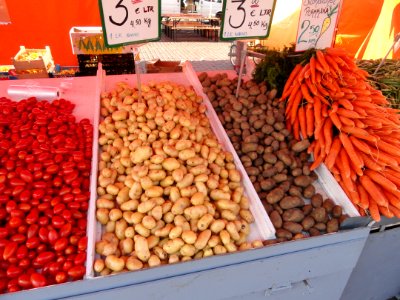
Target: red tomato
{"x":24,"y":263}
{"x":60,"y":244}
{"x":14,"y":271}
{"x":33,"y":242}
{"x":24,"y":281}
{"x":80,"y":258}
{"x":32,"y":230}
{"x":22,"y":252}
{"x":45,"y":257}
{"x":76,"y":272}
{"x":9,"y":250}
{"x":61,"y":277}
{"x":38,"y":280}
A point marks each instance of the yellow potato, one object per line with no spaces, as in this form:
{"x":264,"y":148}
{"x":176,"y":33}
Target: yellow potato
{"x":133,"y":264}
{"x":202,"y":239}
{"x":173,"y":246}
{"x":204,"y":222}
{"x":114,"y":263}
{"x":141,"y":248}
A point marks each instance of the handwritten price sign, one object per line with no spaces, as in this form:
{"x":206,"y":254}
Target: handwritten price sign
{"x":130,"y":21}
{"x":244,"y":19}
{"x":317,"y":24}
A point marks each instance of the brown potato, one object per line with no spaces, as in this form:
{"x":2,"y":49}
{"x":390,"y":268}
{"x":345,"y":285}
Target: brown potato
{"x":314,"y":232}
{"x":309,"y":191}
{"x":295,"y":191}
{"x":332,"y":225}
{"x":308,"y":222}
{"x":267,"y":184}
{"x":301,"y":146}
{"x":302,"y":180}
{"x":283,"y":233}
{"x":291,"y":202}
{"x":307,"y":209}
{"x":276,"y":219}
{"x":292,"y":227}
{"x":316,"y":200}
{"x":293,"y":215}
{"x":320,"y":226}
{"x":337,"y":211}
{"x":328,"y":205}
{"x":319,"y":214}
{"x":275,"y":195}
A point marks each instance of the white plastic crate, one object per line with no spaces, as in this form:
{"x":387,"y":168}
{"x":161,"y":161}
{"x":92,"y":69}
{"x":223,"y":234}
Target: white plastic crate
{"x":261,"y":229}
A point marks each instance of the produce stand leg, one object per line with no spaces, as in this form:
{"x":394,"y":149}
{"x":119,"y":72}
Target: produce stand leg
{"x":377,"y":272}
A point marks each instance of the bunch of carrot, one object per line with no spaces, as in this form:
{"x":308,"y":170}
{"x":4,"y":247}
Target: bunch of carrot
{"x":354,"y":131}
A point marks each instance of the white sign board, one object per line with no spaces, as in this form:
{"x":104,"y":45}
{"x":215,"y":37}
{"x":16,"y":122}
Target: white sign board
{"x":244,"y":19}
{"x":130,"y":21}
{"x":317,"y":24}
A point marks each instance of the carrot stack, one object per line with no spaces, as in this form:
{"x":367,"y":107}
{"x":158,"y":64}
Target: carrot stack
{"x":354,"y":131}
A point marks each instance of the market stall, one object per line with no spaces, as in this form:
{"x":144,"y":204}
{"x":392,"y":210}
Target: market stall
{"x":282,"y":183}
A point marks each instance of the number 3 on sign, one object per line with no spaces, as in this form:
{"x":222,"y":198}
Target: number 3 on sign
{"x":243,"y":13}
{"x":130,"y":21}
{"x":125,"y":9}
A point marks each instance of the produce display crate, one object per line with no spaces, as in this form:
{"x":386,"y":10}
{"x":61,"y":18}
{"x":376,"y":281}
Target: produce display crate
{"x":113,"y":64}
{"x":27,"y":59}
{"x":262,"y":229}
{"x":312,"y":268}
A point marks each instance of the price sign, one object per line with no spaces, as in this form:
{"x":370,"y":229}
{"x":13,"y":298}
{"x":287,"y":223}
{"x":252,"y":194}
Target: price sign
{"x":243,"y":19}
{"x":130,"y":21}
{"x":317,"y":24}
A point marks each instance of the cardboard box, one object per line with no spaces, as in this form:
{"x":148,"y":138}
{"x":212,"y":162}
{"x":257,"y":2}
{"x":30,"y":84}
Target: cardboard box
{"x":28,"y":59}
{"x":164,"y":67}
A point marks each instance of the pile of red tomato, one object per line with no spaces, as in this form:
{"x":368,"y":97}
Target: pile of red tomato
{"x":45,"y":162}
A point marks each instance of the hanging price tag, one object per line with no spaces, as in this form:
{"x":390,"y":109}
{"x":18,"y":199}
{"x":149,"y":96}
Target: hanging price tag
{"x":244,"y":19}
{"x":130,"y":21}
{"x":317,"y":24}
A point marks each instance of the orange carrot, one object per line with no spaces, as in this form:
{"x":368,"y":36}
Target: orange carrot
{"x":395,"y":211}
{"x":360,"y":124}
{"x":370,"y":163}
{"x":302,"y":121}
{"x":374,"y":210}
{"x":335,"y":120}
{"x":346,"y":104}
{"x":321,"y":60}
{"x":348,"y":146}
{"x":374,"y":191}
{"x":333,"y":153}
{"x":310,"y":120}
{"x":306,"y":93}
{"x":328,"y":135}
{"x":313,"y":89}
{"x":312,"y":69}
{"x":343,"y":163}
{"x":296,"y":129}
{"x":364,"y":198}
{"x":292,"y":76}
{"x":359,"y":133}
{"x":317,"y":115}
{"x":346,"y":121}
{"x":348,"y":113}
{"x":294,"y":109}
{"x":381,"y":180}
{"x":385,"y":211}
{"x":302,"y":73}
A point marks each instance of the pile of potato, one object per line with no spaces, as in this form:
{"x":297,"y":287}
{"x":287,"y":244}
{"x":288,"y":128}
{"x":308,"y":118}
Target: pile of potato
{"x":167,"y":191}
{"x":276,"y":163}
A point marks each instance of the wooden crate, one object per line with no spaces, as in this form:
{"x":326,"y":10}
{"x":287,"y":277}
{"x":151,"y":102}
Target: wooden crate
{"x":28,"y":59}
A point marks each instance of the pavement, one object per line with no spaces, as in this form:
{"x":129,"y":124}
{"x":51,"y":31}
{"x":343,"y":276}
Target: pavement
{"x":204,"y":55}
